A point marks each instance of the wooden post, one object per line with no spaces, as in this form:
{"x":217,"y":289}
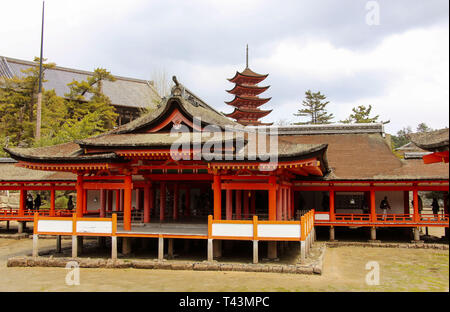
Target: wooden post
{"x":85,"y":196}
{"x":121,"y":200}
{"x":175,"y":201}
{"x":137,"y":198}
{"x":52,"y":202}
{"x":229,"y":200}
{"x":279,"y":203}
{"x":117,"y":200}
{"x":253,"y":202}
{"x":22,"y":203}
{"x":373,"y":208}
{"x":246,"y":199}
{"x":285,"y":203}
{"x":273,"y":200}
{"x":217,"y":198}
{"x":238,"y":204}
{"x":416,"y":205}
{"x":109,"y":200}
{"x":332,"y":215}
{"x":102,"y":203}
{"x":127,"y":203}
{"x":406,"y":202}
{"x":79,"y":188}
{"x":162,"y":200}
{"x":147,"y":191}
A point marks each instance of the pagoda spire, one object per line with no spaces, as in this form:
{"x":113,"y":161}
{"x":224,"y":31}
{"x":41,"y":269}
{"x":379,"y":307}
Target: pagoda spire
{"x":246,"y":57}
{"x":246,"y":101}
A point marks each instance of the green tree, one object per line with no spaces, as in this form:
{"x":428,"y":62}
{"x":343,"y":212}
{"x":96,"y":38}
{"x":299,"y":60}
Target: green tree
{"x":423,"y":127}
{"x":361,"y":114}
{"x":401,"y":138}
{"x":87,"y":97}
{"x":18,"y":97}
{"x":315,"y":109}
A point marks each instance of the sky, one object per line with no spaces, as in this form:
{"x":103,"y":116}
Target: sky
{"x":393,"y":55}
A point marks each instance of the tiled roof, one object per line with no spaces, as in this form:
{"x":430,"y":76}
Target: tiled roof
{"x":431,"y":141}
{"x":127,"y":92}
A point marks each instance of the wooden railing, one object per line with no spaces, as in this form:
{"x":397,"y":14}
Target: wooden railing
{"x":351,"y":217}
{"x":15,"y":213}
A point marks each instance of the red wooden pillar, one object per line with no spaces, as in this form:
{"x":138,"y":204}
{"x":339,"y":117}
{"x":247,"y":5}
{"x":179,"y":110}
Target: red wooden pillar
{"x":332,"y":215}
{"x":127,"y":203}
{"x":79,"y":188}
{"x":273,"y":199}
{"x":253,"y":202}
{"x":52,"y":202}
{"x":117,"y":200}
{"x":217,"y":188}
{"x":147,"y":191}
{"x":238,"y":204}
{"x":285,"y":203}
{"x":138,"y":199}
{"x":121,"y":201}
{"x":406,"y":202}
{"x":279,"y":203}
{"x":175,"y":201}
{"x":229,"y":207}
{"x":187,"y":202}
{"x":162,"y":200}
{"x":416,"y":217}
{"x":291,"y":200}
{"x":109,"y":199}
{"x":373,"y":208}
{"x":85,"y":197}
{"x":102,"y":203}
{"x":22,"y":203}
{"x":246,"y":199}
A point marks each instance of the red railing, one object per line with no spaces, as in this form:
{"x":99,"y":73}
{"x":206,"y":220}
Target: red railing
{"x":433,"y":218}
{"x":344,"y":217}
{"x":14,"y":213}
{"x":395,"y":217}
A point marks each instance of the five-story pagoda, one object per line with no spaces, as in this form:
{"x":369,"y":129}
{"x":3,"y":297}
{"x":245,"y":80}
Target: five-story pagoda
{"x":246,"y":101}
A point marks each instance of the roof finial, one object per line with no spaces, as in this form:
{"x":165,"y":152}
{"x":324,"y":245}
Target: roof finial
{"x":246,"y":58}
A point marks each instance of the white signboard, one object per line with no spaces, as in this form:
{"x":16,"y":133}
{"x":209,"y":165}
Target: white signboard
{"x":235,"y":230}
{"x":322,"y":217}
{"x":54,"y":226}
{"x":279,"y":230}
{"x":100,"y":227}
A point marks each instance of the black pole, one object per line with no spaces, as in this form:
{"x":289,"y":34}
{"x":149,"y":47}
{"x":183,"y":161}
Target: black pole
{"x":42,"y":44}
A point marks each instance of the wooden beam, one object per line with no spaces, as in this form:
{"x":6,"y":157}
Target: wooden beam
{"x":217,"y":198}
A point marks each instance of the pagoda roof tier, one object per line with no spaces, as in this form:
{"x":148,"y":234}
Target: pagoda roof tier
{"x":247,"y":77}
{"x":244,"y":113}
{"x":242,"y":89}
{"x":247,"y":101}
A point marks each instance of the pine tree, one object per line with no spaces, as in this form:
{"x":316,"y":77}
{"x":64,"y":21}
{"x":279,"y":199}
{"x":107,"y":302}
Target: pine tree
{"x":315,"y":109}
{"x":361,"y":115}
{"x":87,"y":97}
{"x":18,"y":96}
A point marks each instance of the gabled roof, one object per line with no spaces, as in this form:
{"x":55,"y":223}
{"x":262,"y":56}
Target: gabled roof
{"x":126,"y":92}
{"x":360,"y":152}
{"x":433,"y":141}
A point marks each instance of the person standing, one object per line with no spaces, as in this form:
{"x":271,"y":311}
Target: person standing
{"x":435,"y":207}
{"x":29,"y":203}
{"x":384,"y":206}
{"x":70,"y":203}
{"x":37,"y":202}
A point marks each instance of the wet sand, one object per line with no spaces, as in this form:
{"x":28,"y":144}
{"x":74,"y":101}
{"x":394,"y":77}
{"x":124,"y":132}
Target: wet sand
{"x":344,"y":270}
